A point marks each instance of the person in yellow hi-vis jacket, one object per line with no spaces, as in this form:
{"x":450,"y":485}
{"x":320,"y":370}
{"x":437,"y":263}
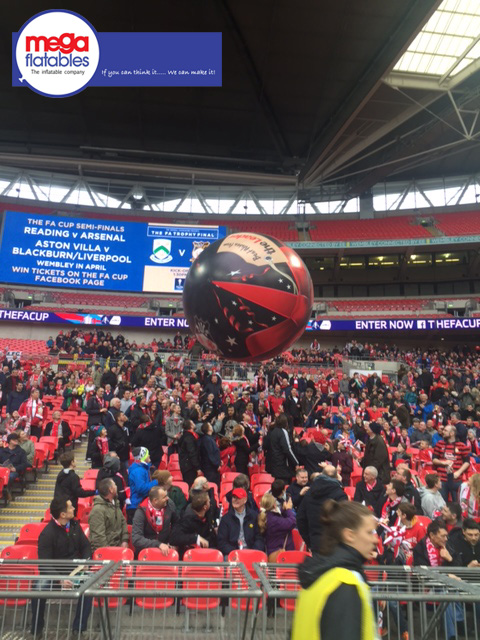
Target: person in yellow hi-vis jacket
{"x":335,"y":603}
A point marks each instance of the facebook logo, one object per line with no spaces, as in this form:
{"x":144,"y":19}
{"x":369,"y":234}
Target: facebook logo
{"x":421,"y":324}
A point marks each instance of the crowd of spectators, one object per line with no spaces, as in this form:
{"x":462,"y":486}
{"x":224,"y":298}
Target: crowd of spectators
{"x":405,"y":448}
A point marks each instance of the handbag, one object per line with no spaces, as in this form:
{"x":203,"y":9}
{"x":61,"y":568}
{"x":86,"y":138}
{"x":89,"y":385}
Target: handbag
{"x":272,"y":557}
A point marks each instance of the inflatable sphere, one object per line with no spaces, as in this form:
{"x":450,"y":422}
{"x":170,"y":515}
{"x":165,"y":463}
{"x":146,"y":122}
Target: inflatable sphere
{"x":248,"y":297}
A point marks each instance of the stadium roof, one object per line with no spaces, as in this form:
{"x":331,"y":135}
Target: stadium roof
{"x":314,"y":94}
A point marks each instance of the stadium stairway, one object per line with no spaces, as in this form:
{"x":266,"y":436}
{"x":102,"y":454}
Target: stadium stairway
{"x":31,"y":506}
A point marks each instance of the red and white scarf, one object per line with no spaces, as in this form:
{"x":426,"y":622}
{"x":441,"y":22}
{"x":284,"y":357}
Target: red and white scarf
{"x":395,"y":539}
{"x":55,"y":426}
{"x":154,"y":517}
{"x":389,"y":506}
{"x":102,"y":444}
{"x":433,"y":553}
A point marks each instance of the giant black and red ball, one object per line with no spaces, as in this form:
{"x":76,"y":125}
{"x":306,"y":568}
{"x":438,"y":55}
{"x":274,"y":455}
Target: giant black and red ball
{"x":248,"y":297}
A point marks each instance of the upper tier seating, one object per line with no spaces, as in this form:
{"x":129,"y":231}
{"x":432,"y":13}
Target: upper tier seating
{"x":378,"y":229}
{"x":27,"y":347}
{"x":377,"y":305}
{"x":459,"y":224}
{"x":273,"y":228}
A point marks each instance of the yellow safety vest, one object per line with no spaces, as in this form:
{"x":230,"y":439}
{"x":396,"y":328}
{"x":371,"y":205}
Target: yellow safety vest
{"x":311,"y":602}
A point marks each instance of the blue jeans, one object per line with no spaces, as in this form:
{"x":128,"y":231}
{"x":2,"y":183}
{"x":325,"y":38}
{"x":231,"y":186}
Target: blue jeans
{"x":450,"y":488}
{"x":84,"y":607}
{"x":454,"y":612}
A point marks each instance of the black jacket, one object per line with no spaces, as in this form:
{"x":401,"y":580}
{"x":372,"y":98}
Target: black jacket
{"x":136,"y":414}
{"x":310,"y":455}
{"x":15,"y":399}
{"x":344,"y":602}
{"x":109,"y":418}
{"x":374,"y":498}
{"x":420,"y":555}
{"x":68,"y":486}
{"x":54,"y":543}
{"x":376,"y":455}
{"x":209,"y":455}
{"x":66,"y":431}
{"x":144,"y":536}
{"x":308,"y":515}
{"x":93,"y":409}
{"x":16,"y":457}
{"x":153,"y":438}
{"x":294,"y":409}
{"x":283,"y":459}
{"x":464,"y":551}
{"x":121,"y":484}
{"x":188,"y":455}
{"x":294,"y":492}
{"x":242,"y":454}
{"x":190,"y":526}
{"x":118,"y":441}
{"x":229,"y":531}
{"x":411,"y":494}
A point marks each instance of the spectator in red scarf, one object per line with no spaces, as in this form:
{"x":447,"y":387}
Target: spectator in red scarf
{"x":60,"y":429}
{"x":153,"y":522}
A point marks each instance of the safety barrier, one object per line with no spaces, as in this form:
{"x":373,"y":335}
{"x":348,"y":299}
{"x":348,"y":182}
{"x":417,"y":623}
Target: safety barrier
{"x":414,"y":602}
{"x":137,"y":600}
{"x":140,"y":600}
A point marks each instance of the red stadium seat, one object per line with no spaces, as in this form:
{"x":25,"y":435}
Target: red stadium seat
{"x":261,"y":478}
{"x":202,"y":578}
{"x":4,"y":478}
{"x":259,"y":490}
{"x":119,"y":579}
{"x":247,"y":557}
{"x":88,"y":484}
{"x":350,"y":491}
{"x":292,"y":557}
{"x":156,"y":578}
{"x":15,"y":577}
{"x":91,"y":474}
{"x":20,"y":552}
{"x":229,"y":476}
{"x":29,"y":533}
{"x":298,"y":541}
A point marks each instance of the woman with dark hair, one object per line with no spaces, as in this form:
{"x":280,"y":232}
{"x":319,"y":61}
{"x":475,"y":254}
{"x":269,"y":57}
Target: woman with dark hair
{"x":333,"y":582}
{"x":283,"y":460}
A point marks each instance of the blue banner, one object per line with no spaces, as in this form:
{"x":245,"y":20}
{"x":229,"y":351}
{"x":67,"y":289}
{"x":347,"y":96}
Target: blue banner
{"x":29,"y":314}
{"x":100,"y":254}
{"x":59,"y":53}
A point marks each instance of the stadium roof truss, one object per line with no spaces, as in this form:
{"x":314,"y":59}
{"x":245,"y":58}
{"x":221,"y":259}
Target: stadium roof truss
{"x":137,"y":198}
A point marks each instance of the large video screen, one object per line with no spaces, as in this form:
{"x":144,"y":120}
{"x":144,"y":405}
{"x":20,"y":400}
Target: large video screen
{"x":100,"y":254}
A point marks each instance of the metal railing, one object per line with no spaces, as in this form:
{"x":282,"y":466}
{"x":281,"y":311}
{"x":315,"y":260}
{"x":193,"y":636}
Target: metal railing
{"x":423,"y":602}
{"x":131,"y":600}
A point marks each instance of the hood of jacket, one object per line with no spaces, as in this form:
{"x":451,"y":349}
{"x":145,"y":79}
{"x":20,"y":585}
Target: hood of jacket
{"x":325,"y":487}
{"x":343,"y":556}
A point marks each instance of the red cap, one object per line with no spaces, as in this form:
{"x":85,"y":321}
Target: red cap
{"x":239,"y":493}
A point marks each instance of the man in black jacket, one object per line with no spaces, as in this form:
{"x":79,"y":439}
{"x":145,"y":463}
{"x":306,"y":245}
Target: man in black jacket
{"x":194,"y":527}
{"x":411,"y":493}
{"x":61,"y":539}
{"x":298,"y":489}
{"x":60,"y":428}
{"x":152,"y":437}
{"x":112,"y":412}
{"x":188,"y":454}
{"x":13,"y":457}
{"x":328,"y":486}
{"x":467,"y":546}
{"x":293,"y":409}
{"x":16,"y":398}
{"x":153,"y":522}
{"x":118,"y":439}
{"x":370,"y":491}
{"x":283,"y":461}
{"x":238,"y":528}
{"x":67,"y":486}
{"x":210,"y":460}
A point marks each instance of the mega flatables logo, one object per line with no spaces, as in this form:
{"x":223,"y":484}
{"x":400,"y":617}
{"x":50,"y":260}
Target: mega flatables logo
{"x":57,"y":53}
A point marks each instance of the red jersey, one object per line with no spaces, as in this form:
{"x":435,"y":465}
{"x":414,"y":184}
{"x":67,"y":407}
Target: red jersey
{"x":416,"y":532}
{"x":456,"y":452}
